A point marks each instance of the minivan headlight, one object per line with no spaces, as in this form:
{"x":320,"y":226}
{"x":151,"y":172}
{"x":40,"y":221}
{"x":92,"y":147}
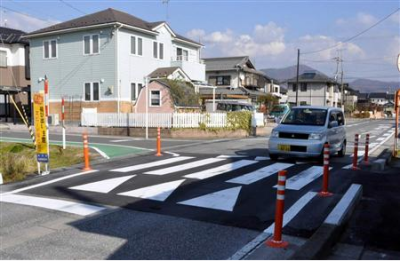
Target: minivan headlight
{"x":316,"y":136}
{"x":275,"y":134}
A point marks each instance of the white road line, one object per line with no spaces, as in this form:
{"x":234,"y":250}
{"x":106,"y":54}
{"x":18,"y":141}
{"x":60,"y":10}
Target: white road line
{"x":102,"y":153}
{"x":172,"y":153}
{"x":338,"y":213}
{"x":262,"y":158}
{"x":304,"y":178}
{"x":386,"y":134}
{"x":159,"y":192}
{"x":208,"y":173}
{"x":103,"y":186}
{"x":293,"y":210}
{"x":229,"y":156}
{"x":119,"y":140}
{"x":259,"y":174}
{"x":151,"y":164}
{"x":220,"y":200}
{"x":49,"y":182}
{"x":380,"y":139}
{"x":182,"y":167}
{"x":53,"y":204}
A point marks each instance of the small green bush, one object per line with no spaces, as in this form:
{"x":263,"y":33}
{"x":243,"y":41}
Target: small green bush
{"x":13,"y":167}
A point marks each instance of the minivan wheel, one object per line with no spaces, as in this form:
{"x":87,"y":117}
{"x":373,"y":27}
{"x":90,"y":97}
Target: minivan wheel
{"x":273,"y":157}
{"x":342,"y":152}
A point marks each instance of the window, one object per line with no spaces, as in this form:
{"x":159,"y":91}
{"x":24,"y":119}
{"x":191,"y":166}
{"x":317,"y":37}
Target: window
{"x":224,"y":80}
{"x":133,"y":92}
{"x":140,"y":87}
{"x":276,"y":89}
{"x":161,"y":51}
{"x":294,"y":87}
{"x":50,"y":49}
{"x":140,"y":46}
{"x":155,"y":50}
{"x":92,"y":91}
{"x":3,"y":59}
{"x":91,"y":44}
{"x":133,"y":45}
{"x":303,"y":87}
{"x":303,"y":103}
{"x":155,"y":98}
{"x":182,"y":55}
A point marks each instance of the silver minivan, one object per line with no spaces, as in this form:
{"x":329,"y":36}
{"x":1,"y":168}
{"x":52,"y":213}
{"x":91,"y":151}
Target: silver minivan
{"x":304,"y":131}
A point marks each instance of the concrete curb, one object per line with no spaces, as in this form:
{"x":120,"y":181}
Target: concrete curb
{"x":318,"y":246}
{"x":384,"y":159}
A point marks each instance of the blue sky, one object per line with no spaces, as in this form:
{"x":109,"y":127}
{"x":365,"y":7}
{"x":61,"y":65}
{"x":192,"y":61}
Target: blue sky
{"x":268,"y":31}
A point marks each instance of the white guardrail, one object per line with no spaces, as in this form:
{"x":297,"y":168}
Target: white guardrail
{"x":163,"y":120}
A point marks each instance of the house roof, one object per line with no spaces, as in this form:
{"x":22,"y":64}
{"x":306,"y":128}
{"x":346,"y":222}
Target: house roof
{"x":312,"y":77}
{"x":230,"y":91}
{"x":378,"y":95}
{"x":163,"y":72}
{"x":106,"y":17}
{"x":225,"y":63}
{"x":187,"y":88}
{"x":11,"y":36}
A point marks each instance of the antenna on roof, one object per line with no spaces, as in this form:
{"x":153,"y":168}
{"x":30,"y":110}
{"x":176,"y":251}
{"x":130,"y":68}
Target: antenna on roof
{"x":166,"y":2}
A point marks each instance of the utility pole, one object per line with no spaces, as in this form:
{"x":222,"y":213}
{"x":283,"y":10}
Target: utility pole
{"x":339,"y":62}
{"x":297,"y":78}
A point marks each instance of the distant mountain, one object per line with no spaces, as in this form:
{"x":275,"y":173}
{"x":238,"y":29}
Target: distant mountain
{"x":286,"y":73}
{"x":366,"y":85}
{"x":363,"y":85}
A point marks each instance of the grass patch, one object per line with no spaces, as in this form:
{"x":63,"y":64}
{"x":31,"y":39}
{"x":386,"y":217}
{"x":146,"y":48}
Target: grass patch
{"x":18,"y":160}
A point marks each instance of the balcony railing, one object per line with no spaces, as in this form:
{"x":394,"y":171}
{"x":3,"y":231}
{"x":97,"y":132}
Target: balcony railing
{"x":185,"y":58}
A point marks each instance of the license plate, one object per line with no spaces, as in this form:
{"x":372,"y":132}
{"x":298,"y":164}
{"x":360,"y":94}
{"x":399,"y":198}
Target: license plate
{"x":283,"y":147}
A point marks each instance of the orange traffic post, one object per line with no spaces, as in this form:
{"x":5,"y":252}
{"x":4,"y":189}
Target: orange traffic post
{"x":276,"y":240}
{"x":158,"y":142}
{"x":325,"y":181}
{"x":366,"y":161}
{"x":355,"y":154}
{"x":86,"y":152}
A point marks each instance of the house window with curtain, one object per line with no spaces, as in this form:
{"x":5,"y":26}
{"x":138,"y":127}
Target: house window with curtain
{"x":50,"y":49}
{"x":155,"y":50}
{"x":161,"y":56}
{"x":294,"y":87}
{"x":92,"y":91}
{"x":155,"y":98}
{"x":91,"y":44}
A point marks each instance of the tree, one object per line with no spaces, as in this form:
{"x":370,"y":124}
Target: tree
{"x":268,"y":100}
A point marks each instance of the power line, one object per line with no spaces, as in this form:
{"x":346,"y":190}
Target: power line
{"x":73,"y":7}
{"x":24,"y":14}
{"x":33,"y":10}
{"x":354,"y":36}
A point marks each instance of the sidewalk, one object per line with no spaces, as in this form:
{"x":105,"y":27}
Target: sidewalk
{"x":373,"y":231}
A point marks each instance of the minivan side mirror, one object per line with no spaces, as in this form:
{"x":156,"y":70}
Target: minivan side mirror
{"x":333,"y":124}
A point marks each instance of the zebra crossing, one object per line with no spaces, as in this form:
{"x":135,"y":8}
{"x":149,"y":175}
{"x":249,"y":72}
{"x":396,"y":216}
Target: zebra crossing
{"x":185,"y":173}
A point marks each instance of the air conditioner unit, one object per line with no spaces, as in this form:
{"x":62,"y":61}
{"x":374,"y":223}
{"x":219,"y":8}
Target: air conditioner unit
{"x":53,"y":119}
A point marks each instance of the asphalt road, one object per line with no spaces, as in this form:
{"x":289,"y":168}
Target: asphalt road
{"x":207,"y":200}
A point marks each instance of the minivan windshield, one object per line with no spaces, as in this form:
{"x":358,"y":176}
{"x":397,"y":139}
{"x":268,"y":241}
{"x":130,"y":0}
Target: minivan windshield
{"x":306,"y":116}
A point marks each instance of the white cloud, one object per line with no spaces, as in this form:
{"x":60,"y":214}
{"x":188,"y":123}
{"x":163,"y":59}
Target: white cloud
{"x":361,"y":19}
{"x":25,"y":23}
{"x":265,"y":40}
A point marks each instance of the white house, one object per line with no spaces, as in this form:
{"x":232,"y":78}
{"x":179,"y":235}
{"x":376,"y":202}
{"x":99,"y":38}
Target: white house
{"x":102,"y":59}
{"x":314,"y":88}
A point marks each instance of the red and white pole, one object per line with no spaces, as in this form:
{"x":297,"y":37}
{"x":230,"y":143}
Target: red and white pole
{"x":276,"y":240}
{"x":46,"y":109}
{"x":325,"y":180}
{"x":355,"y":154}
{"x":158,"y":142}
{"x":63,"y":122}
{"x":366,"y":161}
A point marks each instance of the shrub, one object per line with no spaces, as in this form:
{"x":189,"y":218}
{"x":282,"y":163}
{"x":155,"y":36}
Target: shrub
{"x":13,"y":167}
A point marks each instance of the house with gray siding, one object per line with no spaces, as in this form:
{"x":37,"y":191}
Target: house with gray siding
{"x":314,"y":89}
{"x":100,"y":60}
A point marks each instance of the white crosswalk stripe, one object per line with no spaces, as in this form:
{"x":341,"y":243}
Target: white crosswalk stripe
{"x":259,"y":174}
{"x":182,"y":167}
{"x":158,"y":192}
{"x":304,"y":178}
{"x":220,"y":200}
{"x":262,"y":158}
{"x":220,"y":170}
{"x":152,"y":164}
{"x":103,"y":186}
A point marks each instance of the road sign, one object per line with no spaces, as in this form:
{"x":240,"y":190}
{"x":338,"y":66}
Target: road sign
{"x":40,"y":128}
